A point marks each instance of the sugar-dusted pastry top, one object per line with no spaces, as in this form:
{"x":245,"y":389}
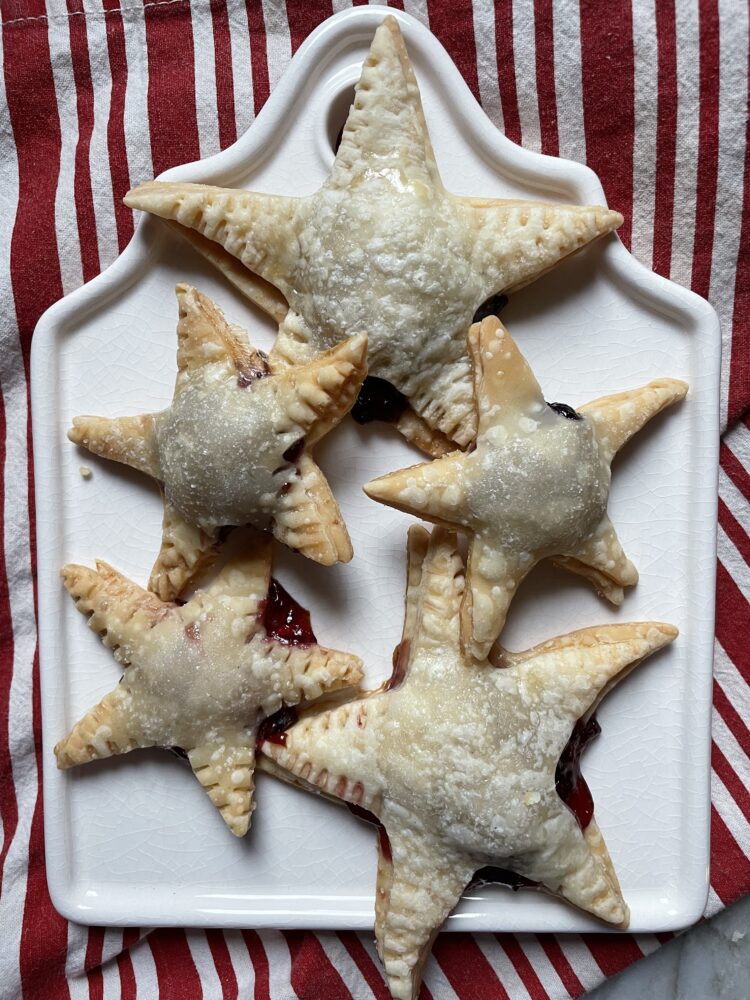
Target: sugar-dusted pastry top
{"x":200,"y":676}
{"x":536,"y":484}
{"x":382,"y":248}
{"x":234,"y":446}
{"x":458,"y":758}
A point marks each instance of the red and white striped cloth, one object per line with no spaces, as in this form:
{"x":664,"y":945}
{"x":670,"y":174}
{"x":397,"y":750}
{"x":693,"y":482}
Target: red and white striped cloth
{"x":98,"y":95}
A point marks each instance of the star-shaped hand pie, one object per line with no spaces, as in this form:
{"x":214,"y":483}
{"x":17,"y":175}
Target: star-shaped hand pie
{"x":382,"y":248}
{"x":200,"y":677}
{"x":234,"y":446}
{"x":536,"y":485}
{"x":460,"y":761}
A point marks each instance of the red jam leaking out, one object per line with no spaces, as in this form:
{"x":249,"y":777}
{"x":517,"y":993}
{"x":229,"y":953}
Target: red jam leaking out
{"x":284,"y":620}
{"x":368,"y":817}
{"x":378,"y":400}
{"x":294,"y":451}
{"x":492,"y":307}
{"x":400,"y":663}
{"x":569,"y":782}
{"x":273,"y":729}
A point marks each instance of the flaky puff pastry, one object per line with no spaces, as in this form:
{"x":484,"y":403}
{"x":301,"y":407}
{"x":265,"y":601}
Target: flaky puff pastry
{"x":382,"y":248}
{"x":535,"y":486}
{"x":457,"y":759}
{"x":201,"y":676}
{"x":234,"y":446}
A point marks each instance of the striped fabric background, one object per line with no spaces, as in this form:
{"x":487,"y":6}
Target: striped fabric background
{"x":98,"y":95}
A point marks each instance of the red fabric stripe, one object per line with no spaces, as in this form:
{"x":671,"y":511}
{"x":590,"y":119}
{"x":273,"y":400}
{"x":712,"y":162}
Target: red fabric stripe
{"x":666,"y":135}
{"x":313,"y":975}
{"x":258,"y":53}
{"x":729,"y":714}
{"x":562,"y":966}
{"x":453,"y":25}
{"x":370,"y":972}
{"x":739,"y":370}
{"x":466,"y":968}
{"x":92,"y":963}
{"x":223,"y":69}
{"x":732,"y":621}
{"x":305,"y":18}
{"x":128,"y":987}
{"x":118,"y":156}
{"x":171,"y":86}
{"x":258,"y":957}
{"x":735,"y":470}
{"x":506,"y":76}
{"x":44,"y":933}
{"x":522,"y":966}
{"x":731,"y":782}
{"x":8,"y":804}
{"x":545,"y":76}
{"x":79,"y":48}
{"x":175,"y":969}
{"x":223,"y":962}
{"x":612,"y":952}
{"x":734,"y":530}
{"x":730,"y":869}
{"x":708,"y":145}
{"x":608,"y":110}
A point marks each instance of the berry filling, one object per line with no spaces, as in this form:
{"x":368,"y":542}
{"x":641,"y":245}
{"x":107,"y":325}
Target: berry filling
{"x":378,"y":400}
{"x":569,"y":782}
{"x":565,"y":411}
{"x":283,"y":619}
{"x":273,"y":729}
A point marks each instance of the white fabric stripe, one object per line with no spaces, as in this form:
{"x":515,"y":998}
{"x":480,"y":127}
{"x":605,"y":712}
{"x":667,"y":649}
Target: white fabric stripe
{"x":733,"y":562}
{"x":648,"y":943}
{"x":144,"y":968}
{"x":74,"y":962}
{"x":66,"y":225}
{"x":713,"y":904}
{"x":279,"y":964}
{"x":731,"y":681}
{"x":99,"y":163}
{"x":112,"y":988}
{"x":730,"y":812}
{"x":436,"y":981}
{"x":204,"y":962}
{"x":18,"y":569}
{"x":686,"y":161}
{"x":417,"y":8}
{"x":733,"y":94}
{"x":545,"y":970}
{"x":339,"y":5}
{"x":483,"y":12}
{"x":278,"y":40}
{"x":242,"y":75}
{"x":727,"y":742}
{"x":524,"y":57}
{"x":735,"y":501}
{"x":581,"y":960}
{"x":738,"y":441}
{"x":204,"y":60}
{"x":137,"y":133}
{"x":502,"y":966}
{"x":346,"y":967}
{"x":566,"y":25}
{"x":368,"y":943}
{"x":243,"y":967}
{"x":644,"y":139}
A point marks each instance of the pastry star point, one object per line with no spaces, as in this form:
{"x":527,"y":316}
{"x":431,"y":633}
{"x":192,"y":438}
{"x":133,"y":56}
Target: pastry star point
{"x":399,"y":257}
{"x":536,"y":485}
{"x":458,"y":760}
{"x":234,"y":445}
{"x":199,"y":676}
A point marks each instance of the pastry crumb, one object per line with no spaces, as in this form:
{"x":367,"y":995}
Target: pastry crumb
{"x":85,"y":472}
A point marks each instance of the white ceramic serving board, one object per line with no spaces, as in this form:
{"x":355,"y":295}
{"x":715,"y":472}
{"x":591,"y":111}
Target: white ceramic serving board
{"x":134,"y":840}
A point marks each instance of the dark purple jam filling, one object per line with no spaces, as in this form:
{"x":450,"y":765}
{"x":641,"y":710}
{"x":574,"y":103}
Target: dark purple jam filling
{"x":565,"y":411}
{"x":178,"y":752}
{"x":400,"y":663}
{"x":284,"y":619}
{"x":246,"y":376}
{"x":368,"y":817}
{"x":492,"y":307}
{"x":569,"y":782}
{"x":378,"y":400}
{"x":294,"y":451}
{"x":273,"y":729}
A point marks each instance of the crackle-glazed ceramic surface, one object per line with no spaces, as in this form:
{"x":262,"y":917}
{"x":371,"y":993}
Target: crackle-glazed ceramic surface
{"x":132,"y":839}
